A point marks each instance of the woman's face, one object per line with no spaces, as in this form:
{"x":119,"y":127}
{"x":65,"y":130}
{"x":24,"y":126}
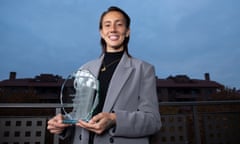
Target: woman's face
{"x":114,"y":31}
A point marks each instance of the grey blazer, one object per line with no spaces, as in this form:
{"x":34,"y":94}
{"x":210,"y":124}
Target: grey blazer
{"x":132,"y":97}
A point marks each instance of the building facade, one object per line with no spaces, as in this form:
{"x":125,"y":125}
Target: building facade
{"x":183,"y":88}
{"x":46,"y":88}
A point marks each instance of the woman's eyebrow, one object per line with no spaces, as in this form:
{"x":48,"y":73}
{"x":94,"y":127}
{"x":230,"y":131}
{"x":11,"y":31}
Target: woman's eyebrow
{"x":117,"y":20}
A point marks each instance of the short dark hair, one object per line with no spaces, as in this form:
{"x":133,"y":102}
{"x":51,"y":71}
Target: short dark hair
{"x":127,"y":20}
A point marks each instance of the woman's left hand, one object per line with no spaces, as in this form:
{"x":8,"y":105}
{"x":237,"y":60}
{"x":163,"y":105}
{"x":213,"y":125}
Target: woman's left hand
{"x":99,"y":123}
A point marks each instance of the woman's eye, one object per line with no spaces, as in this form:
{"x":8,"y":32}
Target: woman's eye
{"x":107,"y":25}
{"x":119,"y":24}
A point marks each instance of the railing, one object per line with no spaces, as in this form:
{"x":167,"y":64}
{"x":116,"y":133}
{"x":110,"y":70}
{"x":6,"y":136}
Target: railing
{"x":203,"y":122}
{"x":208,"y":122}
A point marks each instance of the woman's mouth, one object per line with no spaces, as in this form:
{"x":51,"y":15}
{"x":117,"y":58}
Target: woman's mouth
{"x":113,"y":37}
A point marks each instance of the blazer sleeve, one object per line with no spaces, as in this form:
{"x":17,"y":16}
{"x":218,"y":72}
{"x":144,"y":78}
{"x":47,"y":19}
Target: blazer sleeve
{"x":146,"y":119}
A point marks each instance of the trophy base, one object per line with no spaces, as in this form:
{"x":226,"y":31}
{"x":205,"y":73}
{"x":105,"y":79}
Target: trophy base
{"x":66,"y":121}
{"x":69,"y":121}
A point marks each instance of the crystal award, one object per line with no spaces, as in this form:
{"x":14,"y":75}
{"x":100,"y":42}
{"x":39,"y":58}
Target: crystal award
{"x":80,"y":90}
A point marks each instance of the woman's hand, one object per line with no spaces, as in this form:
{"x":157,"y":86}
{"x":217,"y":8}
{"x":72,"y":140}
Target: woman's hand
{"x":56,"y":125}
{"x":99,"y":123}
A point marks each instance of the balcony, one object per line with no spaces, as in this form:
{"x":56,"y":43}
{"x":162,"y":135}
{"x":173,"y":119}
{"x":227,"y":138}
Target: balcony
{"x":207,"y":122}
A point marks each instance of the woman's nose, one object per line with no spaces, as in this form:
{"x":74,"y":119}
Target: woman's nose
{"x":113,"y":28}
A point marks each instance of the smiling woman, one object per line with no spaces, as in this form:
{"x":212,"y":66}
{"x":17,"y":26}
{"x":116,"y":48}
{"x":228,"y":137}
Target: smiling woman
{"x":127,"y":110}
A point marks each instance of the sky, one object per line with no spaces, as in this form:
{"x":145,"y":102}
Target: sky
{"x":179,"y":37}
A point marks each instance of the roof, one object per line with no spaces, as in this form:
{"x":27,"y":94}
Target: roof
{"x":182,"y":81}
{"x":44,"y":80}
{"x":48,"y":80}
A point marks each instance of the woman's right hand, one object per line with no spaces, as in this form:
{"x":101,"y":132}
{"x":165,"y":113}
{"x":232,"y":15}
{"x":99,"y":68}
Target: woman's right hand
{"x":56,"y":125}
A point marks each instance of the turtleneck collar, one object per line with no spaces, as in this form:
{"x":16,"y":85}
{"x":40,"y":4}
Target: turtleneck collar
{"x":114,"y":53}
{"x":109,"y":56}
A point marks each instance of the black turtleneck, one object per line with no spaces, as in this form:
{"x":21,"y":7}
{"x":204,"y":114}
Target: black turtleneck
{"x":110,"y":61}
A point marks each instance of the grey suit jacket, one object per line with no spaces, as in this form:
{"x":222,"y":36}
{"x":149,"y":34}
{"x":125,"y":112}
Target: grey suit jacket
{"x":132,"y":97}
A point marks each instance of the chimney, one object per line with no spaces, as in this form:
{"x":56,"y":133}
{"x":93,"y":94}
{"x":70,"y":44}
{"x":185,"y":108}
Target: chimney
{"x":207,"y":76}
{"x":12,"y":75}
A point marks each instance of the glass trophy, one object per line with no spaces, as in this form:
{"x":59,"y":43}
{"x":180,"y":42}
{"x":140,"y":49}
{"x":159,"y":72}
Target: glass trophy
{"x":80,"y":90}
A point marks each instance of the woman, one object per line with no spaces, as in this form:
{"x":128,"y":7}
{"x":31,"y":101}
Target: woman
{"x":127,"y":112}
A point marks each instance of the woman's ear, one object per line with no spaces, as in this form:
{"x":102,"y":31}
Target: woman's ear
{"x":101,"y":33}
{"x":128,"y":33}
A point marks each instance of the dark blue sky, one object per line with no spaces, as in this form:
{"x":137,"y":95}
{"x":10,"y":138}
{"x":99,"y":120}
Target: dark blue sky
{"x":189,"y":37}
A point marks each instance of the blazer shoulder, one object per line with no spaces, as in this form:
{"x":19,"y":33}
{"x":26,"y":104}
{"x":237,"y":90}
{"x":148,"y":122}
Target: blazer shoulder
{"x":90,"y":63}
{"x":142,"y":63}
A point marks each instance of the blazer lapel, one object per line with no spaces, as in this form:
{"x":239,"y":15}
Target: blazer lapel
{"x":95,"y":67}
{"x":118,"y":80}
